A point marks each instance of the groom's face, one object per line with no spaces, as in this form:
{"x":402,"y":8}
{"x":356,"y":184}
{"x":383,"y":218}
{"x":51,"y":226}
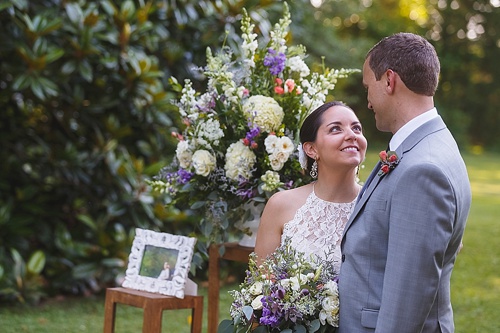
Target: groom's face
{"x":376,"y":96}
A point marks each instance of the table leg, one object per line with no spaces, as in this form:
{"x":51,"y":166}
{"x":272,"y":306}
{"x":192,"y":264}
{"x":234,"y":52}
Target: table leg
{"x":213,"y":288}
{"x":109,"y":312}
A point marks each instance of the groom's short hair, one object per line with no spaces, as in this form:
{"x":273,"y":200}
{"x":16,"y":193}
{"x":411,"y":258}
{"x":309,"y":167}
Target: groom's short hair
{"x":412,"y":57}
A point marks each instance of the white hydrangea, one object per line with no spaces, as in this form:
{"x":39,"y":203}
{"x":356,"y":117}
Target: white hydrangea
{"x":209,"y":132}
{"x":296,"y":64}
{"x":203,"y":162}
{"x":184,"y":154}
{"x":265,"y":111}
{"x":239,"y":161}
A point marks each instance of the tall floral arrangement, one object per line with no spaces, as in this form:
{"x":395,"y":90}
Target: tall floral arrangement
{"x":241,"y":134}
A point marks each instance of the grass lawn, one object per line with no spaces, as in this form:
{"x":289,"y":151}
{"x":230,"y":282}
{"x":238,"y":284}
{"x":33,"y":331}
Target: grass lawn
{"x":475,"y":280}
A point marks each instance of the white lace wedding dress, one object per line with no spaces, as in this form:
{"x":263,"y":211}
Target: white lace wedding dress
{"x":317,"y":228}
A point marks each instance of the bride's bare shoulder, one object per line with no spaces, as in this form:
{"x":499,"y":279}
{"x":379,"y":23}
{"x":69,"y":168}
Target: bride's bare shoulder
{"x":288,"y":198}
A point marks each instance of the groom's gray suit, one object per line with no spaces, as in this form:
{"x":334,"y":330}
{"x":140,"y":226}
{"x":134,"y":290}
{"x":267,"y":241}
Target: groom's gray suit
{"x":400,"y":244}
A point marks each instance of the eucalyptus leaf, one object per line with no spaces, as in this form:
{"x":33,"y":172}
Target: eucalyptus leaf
{"x":248,"y":311}
{"x":300,"y":329}
{"x":314,"y":325}
{"x":225,"y":326}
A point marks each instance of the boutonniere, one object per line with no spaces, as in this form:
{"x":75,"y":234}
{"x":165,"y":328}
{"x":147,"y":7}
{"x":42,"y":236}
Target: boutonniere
{"x":389,"y":160}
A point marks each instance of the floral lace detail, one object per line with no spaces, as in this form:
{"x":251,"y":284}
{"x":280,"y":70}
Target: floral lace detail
{"x":317,"y":228}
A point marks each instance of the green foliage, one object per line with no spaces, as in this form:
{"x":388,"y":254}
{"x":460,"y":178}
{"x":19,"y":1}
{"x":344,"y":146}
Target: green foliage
{"x":85,"y":119}
{"x":465,"y":34}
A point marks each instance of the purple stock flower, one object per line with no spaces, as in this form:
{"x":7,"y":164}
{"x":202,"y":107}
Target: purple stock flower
{"x":271,"y":312}
{"x":279,"y":293}
{"x":288,"y":185}
{"x":252,"y":133}
{"x":275,"y":61}
{"x":183,"y":176}
{"x":293,"y":314}
{"x":245,"y":193}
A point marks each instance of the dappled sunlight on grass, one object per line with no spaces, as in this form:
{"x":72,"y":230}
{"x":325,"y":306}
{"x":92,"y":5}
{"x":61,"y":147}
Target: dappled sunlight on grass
{"x":476,"y":277}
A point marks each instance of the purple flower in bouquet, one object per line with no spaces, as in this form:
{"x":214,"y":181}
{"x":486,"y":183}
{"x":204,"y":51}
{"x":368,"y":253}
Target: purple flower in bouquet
{"x":183,"y":176}
{"x":275,"y":61}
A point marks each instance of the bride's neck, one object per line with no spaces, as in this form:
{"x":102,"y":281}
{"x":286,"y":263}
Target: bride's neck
{"x":337,"y":189}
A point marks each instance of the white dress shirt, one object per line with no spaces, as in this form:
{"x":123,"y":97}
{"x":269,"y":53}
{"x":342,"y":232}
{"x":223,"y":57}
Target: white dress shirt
{"x":411,"y":126}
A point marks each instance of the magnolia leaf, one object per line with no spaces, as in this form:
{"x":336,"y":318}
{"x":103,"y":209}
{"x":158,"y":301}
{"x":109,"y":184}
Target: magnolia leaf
{"x":88,"y":221}
{"x":75,"y":13}
{"x":36,"y":263}
{"x":21,"y":82}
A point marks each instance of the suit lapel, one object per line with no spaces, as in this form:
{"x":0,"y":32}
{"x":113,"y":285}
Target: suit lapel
{"x":368,"y":187}
{"x":373,"y":180}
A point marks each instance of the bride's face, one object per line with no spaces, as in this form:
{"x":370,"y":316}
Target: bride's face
{"x":340,"y":140}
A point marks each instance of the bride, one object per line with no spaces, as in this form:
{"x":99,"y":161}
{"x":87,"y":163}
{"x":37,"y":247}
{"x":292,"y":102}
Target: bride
{"x":313,"y":216}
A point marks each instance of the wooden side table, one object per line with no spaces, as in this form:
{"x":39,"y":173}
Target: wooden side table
{"x":153,"y":305}
{"x":234,"y":252}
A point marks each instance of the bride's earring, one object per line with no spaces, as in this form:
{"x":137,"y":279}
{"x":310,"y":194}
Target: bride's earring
{"x":314,"y":170}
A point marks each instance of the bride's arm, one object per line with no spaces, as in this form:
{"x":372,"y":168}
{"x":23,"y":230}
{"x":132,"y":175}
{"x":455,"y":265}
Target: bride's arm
{"x":270,"y":227}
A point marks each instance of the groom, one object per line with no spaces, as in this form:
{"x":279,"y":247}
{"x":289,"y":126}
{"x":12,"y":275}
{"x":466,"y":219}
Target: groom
{"x":402,"y":239}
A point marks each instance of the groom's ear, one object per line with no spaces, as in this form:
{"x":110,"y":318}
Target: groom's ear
{"x":390,"y":78}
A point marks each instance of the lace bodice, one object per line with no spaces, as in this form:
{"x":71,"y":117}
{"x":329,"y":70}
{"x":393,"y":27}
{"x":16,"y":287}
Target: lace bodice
{"x":317,"y":228}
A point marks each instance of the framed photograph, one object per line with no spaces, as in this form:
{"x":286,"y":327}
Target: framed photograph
{"x":159,"y":262}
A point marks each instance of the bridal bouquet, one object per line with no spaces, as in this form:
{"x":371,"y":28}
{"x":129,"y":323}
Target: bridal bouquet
{"x":241,"y":134}
{"x":287,"y":293}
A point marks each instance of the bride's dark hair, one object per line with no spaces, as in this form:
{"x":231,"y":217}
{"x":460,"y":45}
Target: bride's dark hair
{"x":310,"y":126}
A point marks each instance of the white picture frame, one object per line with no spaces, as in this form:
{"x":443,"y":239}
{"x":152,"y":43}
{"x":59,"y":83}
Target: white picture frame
{"x":149,"y":257}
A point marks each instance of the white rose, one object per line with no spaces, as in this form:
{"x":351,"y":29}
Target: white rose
{"x":276,"y":164}
{"x":183,"y":154}
{"x":271,"y":143}
{"x":203,"y":162}
{"x":286,"y":145}
{"x":285,"y":283}
{"x":257,"y":302}
{"x":294,"y":281}
{"x":256,"y":288}
{"x":331,"y":288}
